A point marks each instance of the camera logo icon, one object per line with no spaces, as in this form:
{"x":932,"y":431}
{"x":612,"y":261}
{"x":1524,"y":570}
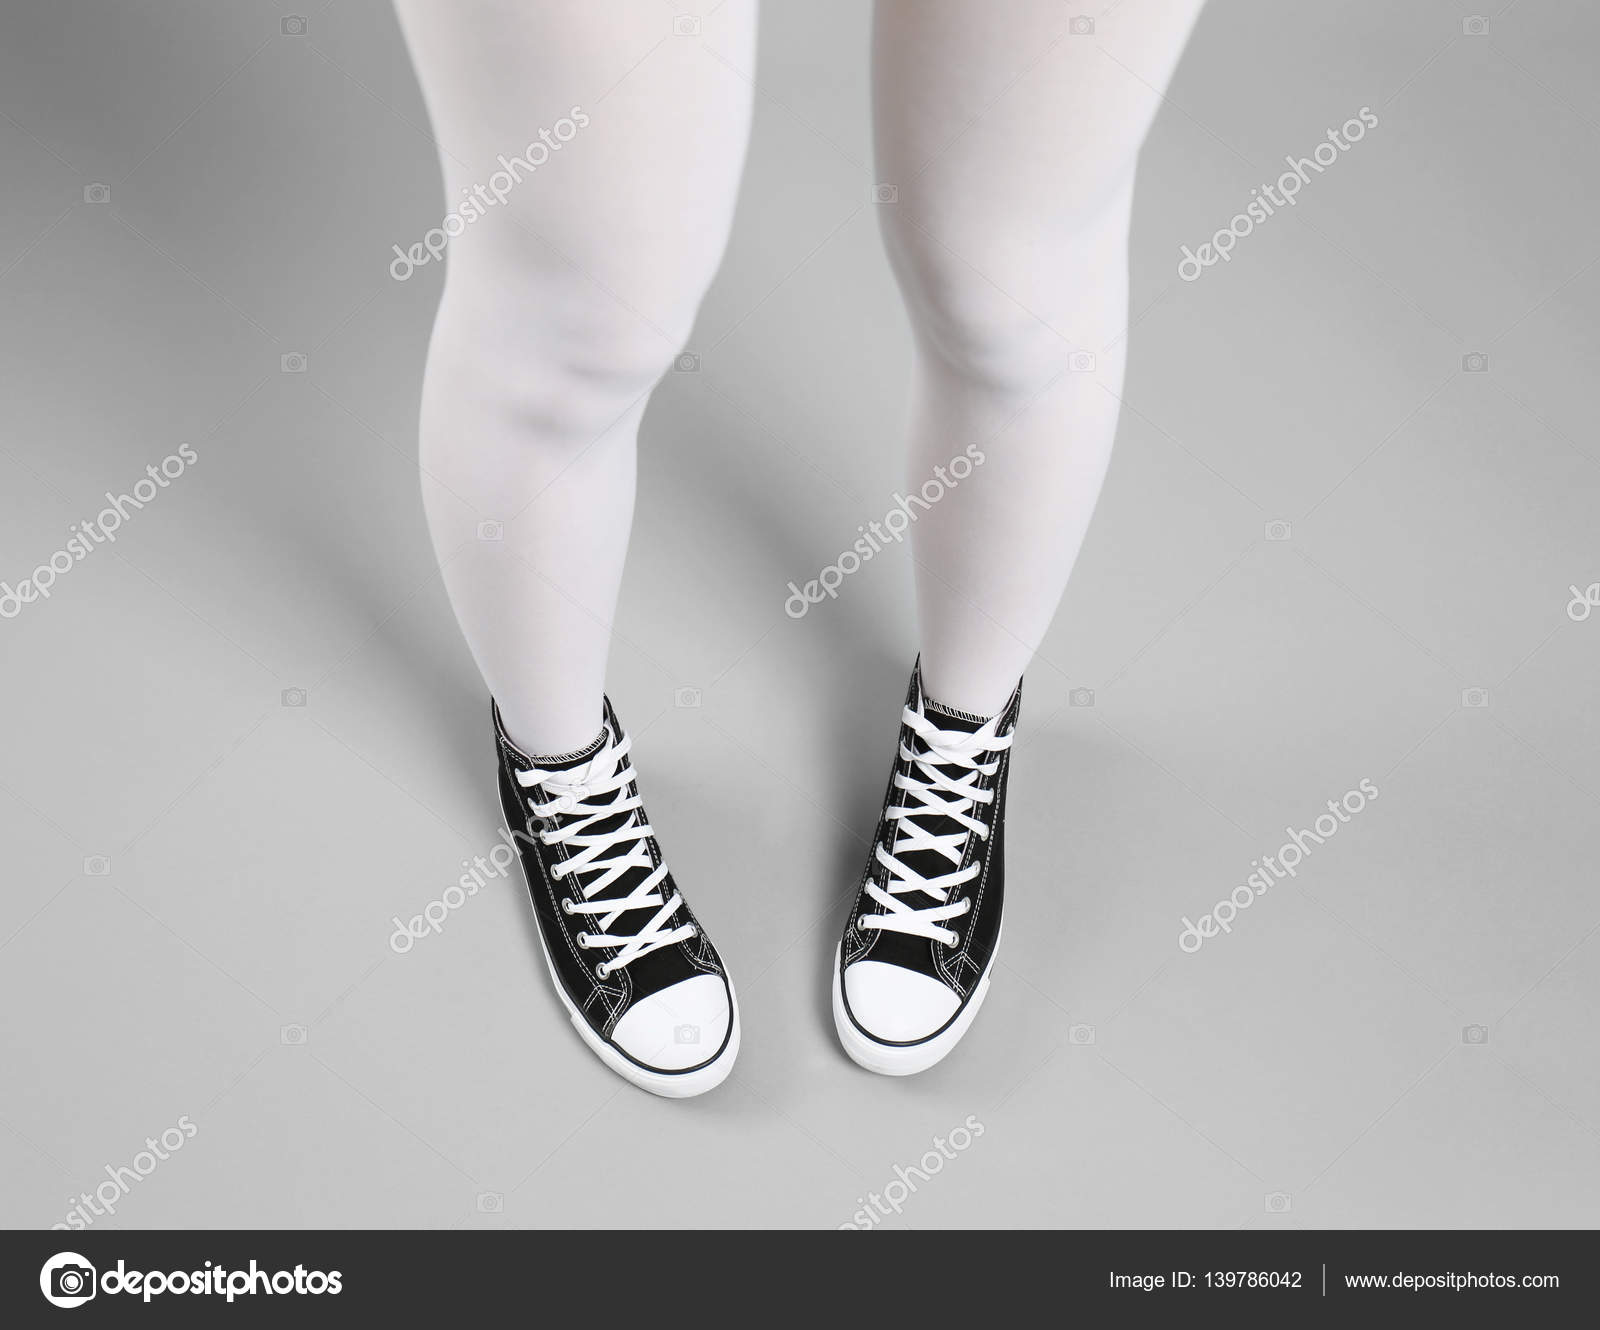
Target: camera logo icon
{"x":491,"y":530}
{"x":292,"y":362}
{"x":1475,"y":25}
{"x":96,"y":865}
{"x":1474,"y":1034}
{"x":293,"y":25}
{"x":1279,"y":530}
{"x":1081,"y":362}
{"x":685,"y":697}
{"x":686,"y":1034}
{"x":686,"y":363}
{"x":883,"y":193}
{"x":292,"y":697}
{"x":1081,"y":697}
{"x":97,"y":193}
{"x":686,"y":25}
{"x":1475,"y":362}
{"x":67,"y":1280}
{"x":1080,"y":1034}
{"x":1081,"y":26}
{"x":1277,"y":1203}
{"x":293,"y":1035}
{"x":1474,"y":697}
{"x":491,"y":1202}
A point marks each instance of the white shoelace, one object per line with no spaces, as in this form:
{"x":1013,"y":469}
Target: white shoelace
{"x":603,"y":857}
{"x":932,"y":793}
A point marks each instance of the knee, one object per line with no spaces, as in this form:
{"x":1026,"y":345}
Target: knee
{"x":1005,"y":307}
{"x":562,"y":360}
{"x":586,"y":372}
{"x":974,"y":330}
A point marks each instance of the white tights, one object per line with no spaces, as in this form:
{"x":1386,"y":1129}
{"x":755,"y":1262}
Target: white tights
{"x":1012,"y":141}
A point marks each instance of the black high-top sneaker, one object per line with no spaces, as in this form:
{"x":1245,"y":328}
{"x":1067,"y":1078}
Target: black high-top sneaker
{"x":636,"y":972}
{"x":914,"y":964}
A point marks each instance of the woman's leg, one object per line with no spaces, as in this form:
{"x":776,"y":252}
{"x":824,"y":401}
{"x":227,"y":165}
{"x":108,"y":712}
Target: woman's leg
{"x":567,"y":296}
{"x":1011,"y":136}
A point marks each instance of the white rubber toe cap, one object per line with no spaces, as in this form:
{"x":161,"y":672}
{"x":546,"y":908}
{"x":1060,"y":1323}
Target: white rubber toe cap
{"x":679,"y":1027}
{"x":895,"y":1004}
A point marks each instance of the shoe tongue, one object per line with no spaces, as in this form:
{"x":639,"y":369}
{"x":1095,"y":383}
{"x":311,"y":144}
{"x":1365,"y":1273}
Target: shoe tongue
{"x":572,"y":776}
{"x":948,"y":718}
{"x":930,"y":863}
{"x":575,"y":771}
{"x":572,"y":761}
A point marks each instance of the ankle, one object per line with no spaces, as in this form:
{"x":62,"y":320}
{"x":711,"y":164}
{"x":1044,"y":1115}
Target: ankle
{"x":548,"y":741}
{"x":965,"y":695}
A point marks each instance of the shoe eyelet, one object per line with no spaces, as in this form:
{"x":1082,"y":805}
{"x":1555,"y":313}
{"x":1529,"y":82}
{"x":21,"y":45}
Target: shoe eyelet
{"x":566,"y":905}
{"x":601,"y":972}
{"x":861,"y":923}
{"x":582,"y":939}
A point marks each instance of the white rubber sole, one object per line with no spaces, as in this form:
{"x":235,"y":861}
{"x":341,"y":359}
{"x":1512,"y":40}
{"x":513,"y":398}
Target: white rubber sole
{"x":903,"y":1059}
{"x":667,"y":1084}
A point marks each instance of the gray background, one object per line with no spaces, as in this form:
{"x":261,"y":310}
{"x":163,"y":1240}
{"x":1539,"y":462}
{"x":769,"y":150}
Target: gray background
{"x":257,"y":851}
